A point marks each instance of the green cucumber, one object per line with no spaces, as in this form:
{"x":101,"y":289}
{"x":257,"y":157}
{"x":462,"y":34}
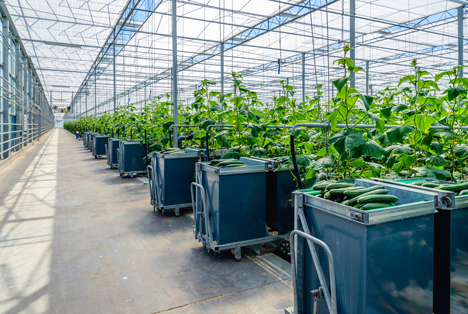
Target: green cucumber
{"x":312,"y":192}
{"x":235,"y":165}
{"x":322,"y":185}
{"x":227,"y":163}
{"x":377,"y":198}
{"x":369,"y":206}
{"x":431,"y":185}
{"x":327,"y":195}
{"x":375,"y":192}
{"x":419,"y":182}
{"x":341,"y":191}
{"x":217,"y":161}
{"x":334,"y":186}
{"x":454,"y":187}
{"x":354,"y":193}
{"x":464,"y":192}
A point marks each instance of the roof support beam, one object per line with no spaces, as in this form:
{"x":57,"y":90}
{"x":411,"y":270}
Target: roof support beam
{"x":284,"y":17}
{"x":132,"y":18}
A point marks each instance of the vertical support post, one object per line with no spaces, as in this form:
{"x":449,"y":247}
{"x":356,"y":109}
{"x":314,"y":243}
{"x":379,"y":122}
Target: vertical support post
{"x":86,"y":103}
{"x":460,"y":38}
{"x":303,"y":76}
{"x":222,"y":69}
{"x":20,"y":113}
{"x":115,"y":87}
{"x":39,"y":117}
{"x":30,"y":89}
{"x":352,"y":38}
{"x":367,"y":77}
{"x":6,"y":79}
{"x":18,"y":107}
{"x":95,"y":94}
{"x":174,"y":70}
{"x":73,"y":107}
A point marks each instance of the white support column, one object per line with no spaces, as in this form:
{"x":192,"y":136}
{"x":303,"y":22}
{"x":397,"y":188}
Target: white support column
{"x":174,"y":70}
{"x":303,"y":76}
{"x":5,"y":108}
{"x":18,"y":106}
{"x":222,"y":69}
{"x":115,"y":86}
{"x":460,"y":38}
{"x":352,"y":37}
{"x":367,"y":77}
{"x":95,"y":94}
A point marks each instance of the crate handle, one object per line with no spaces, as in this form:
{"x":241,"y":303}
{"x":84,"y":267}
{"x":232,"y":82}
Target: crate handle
{"x":149,"y":171}
{"x":203,"y":213}
{"x":321,"y":292}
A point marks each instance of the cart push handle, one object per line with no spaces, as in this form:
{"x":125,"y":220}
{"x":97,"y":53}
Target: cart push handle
{"x":203,"y":213}
{"x":149,"y":171}
{"x":198,"y":186}
{"x":317,"y":293}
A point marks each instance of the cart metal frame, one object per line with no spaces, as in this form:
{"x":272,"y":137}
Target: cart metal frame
{"x":368,"y":218}
{"x":201,"y":215}
{"x":157,"y":191}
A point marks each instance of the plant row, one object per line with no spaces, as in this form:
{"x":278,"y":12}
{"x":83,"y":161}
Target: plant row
{"x":414,"y":129}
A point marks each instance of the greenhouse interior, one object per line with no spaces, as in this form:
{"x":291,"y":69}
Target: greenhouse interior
{"x":221,"y":156}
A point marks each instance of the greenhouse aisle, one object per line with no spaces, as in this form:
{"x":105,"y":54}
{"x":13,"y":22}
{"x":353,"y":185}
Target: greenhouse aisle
{"x":77,"y":238}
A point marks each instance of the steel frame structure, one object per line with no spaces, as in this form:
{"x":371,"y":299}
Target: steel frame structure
{"x":25,"y":114}
{"x":148,"y":48}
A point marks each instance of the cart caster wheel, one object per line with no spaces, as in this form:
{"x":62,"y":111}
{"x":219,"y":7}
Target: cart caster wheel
{"x":95,"y":157}
{"x":165,"y":212}
{"x":283,"y":247}
{"x":219,"y":254}
{"x":237,"y":254}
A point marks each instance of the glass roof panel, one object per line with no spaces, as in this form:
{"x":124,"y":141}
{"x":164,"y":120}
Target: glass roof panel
{"x":64,"y":38}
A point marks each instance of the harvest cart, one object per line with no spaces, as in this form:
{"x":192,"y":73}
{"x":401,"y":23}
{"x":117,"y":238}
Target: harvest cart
{"x":170,"y":176}
{"x":111,"y":151}
{"x":369,"y":261}
{"x":280,"y":184}
{"x":229,"y":207}
{"x":99,"y":145}
{"x":450,"y":247}
{"x":85,"y":138}
{"x":130,"y":158}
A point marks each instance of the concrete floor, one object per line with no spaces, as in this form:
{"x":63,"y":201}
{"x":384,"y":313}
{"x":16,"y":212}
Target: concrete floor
{"x":77,"y":238}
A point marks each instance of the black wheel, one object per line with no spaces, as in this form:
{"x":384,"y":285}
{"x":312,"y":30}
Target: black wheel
{"x":283,"y":247}
{"x":165,"y":212}
{"x":219,"y":254}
